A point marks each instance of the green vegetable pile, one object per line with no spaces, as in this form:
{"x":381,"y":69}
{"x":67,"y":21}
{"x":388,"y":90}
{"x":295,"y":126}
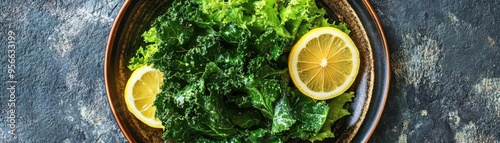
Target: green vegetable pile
{"x":225,"y":72}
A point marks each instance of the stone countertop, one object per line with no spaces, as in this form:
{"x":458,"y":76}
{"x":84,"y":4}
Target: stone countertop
{"x":445,"y":60}
{"x":445,"y":83}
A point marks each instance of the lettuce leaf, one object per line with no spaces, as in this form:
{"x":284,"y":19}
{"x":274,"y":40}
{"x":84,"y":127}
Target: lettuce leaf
{"x":142,"y":55}
{"x":338,"y":109}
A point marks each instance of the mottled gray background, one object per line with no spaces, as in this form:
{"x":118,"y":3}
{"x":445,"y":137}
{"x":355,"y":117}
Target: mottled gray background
{"x":60,"y":94}
{"x":445,"y":83}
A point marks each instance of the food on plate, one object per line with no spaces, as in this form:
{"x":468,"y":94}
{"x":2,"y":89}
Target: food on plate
{"x":226,"y":73}
{"x":324,"y":63}
{"x":140,"y":93}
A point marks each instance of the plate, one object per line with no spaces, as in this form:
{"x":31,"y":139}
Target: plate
{"x":371,"y":85}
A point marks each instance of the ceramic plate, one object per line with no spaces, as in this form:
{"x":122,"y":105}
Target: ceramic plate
{"x":371,"y":85}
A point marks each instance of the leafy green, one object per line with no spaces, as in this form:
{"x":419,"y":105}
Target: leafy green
{"x":142,"y":55}
{"x":337,"y":111}
{"x":283,"y":117}
{"x":312,"y":115}
{"x":225,"y":71}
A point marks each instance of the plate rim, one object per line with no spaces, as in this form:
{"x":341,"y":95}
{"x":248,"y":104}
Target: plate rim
{"x":107,"y":68}
{"x":382,"y":67}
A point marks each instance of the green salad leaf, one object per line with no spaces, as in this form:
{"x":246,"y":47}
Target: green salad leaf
{"x":142,"y":55}
{"x":283,"y":117}
{"x":337,"y":111}
{"x":311,"y":115}
{"x":225,"y":72}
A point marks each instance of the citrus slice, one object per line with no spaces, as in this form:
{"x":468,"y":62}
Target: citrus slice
{"x":140,"y":93}
{"x":324,"y":63}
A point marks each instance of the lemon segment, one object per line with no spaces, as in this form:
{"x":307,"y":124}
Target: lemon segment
{"x":140,"y":93}
{"x":324,"y":63}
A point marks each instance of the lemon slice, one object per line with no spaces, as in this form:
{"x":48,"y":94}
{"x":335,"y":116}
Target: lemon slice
{"x":140,"y":93}
{"x":324,"y":63}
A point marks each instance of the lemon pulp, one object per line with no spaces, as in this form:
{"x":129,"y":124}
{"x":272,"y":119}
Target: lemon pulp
{"x":324,"y":63}
{"x":140,"y":93}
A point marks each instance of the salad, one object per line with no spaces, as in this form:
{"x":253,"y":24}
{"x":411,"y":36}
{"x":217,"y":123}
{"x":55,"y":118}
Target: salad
{"x":225,"y":78}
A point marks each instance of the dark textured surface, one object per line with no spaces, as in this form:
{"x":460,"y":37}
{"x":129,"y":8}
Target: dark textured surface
{"x":445,"y":83}
{"x":445,"y":72}
{"x":60,"y":94}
